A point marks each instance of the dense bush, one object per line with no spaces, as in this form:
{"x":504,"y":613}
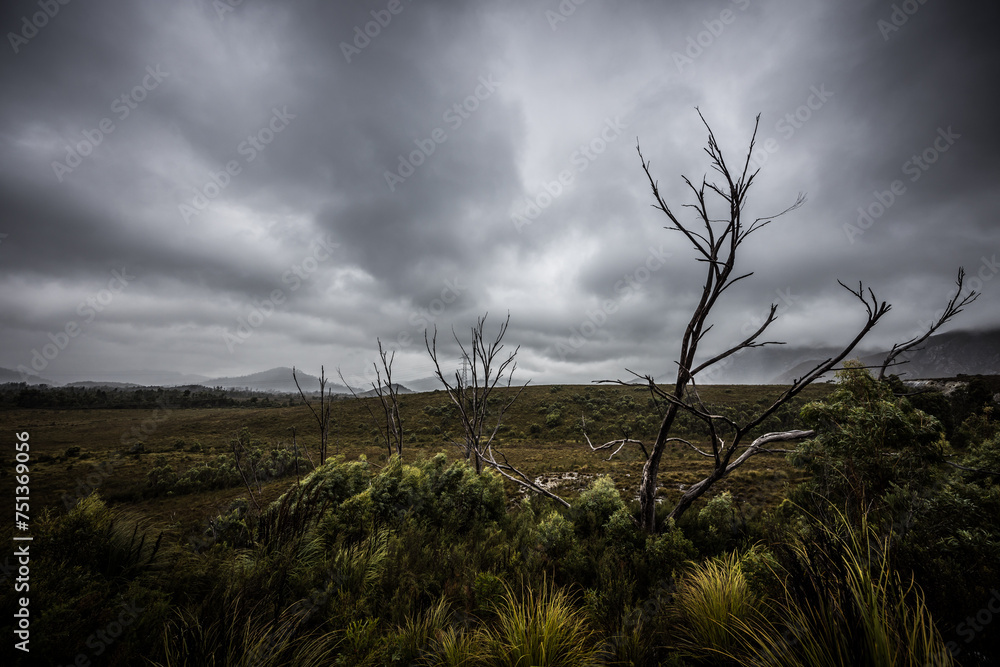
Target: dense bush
{"x":260,"y":463}
{"x":868,"y":443}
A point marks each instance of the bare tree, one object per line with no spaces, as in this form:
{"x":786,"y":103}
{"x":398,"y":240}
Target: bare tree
{"x":717,"y":243}
{"x":240,"y":445}
{"x":295,"y":449}
{"x":323,"y":416}
{"x":619,"y":444}
{"x":953,"y":308}
{"x":480,"y":414}
{"x":390,"y":427}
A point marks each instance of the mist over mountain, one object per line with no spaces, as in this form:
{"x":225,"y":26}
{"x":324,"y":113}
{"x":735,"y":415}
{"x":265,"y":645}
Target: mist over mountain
{"x":8,"y":375}
{"x":275,"y":380}
{"x":944,"y":355}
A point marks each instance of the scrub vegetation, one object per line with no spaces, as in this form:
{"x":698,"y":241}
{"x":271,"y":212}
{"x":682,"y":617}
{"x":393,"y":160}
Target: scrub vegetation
{"x":874,"y":543}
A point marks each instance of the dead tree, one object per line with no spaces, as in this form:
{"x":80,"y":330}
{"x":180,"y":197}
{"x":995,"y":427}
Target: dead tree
{"x":323,"y":416}
{"x":390,"y":427}
{"x":295,"y":448}
{"x":953,"y":308}
{"x":479,"y":412}
{"x":717,"y":242}
{"x":240,"y":445}
{"x":618,"y":444}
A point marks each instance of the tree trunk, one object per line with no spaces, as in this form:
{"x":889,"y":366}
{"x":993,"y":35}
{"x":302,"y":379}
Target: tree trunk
{"x":650,"y":473}
{"x":695,"y":492}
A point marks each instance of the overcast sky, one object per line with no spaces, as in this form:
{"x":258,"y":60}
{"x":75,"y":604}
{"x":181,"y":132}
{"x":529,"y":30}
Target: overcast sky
{"x":220,"y":188}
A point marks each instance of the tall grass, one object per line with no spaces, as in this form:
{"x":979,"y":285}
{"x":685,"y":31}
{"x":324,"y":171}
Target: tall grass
{"x":434,"y":638}
{"x":459,"y":648}
{"x":244,"y":639}
{"x":542,"y":628}
{"x":117,"y":543}
{"x":842,"y":604}
{"x":714,"y":602}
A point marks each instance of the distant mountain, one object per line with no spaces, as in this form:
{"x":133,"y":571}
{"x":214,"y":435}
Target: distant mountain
{"x":951,"y":354}
{"x":944,"y":355}
{"x":400,"y":389}
{"x":800,"y":369}
{"x":140,"y":378}
{"x":163,"y":378}
{"x":275,"y":380}
{"x":7,"y":375}
{"x":424,"y":384}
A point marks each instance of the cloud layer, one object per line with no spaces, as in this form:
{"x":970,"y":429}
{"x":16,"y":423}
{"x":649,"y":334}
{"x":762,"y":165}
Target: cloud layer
{"x":219,"y":188}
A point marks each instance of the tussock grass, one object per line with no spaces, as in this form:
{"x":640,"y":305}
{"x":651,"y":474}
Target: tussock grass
{"x":843,"y":604}
{"x":244,"y":639}
{"x":542,"y":628}
{"x":714,"y":604}
{"x":458,"y":648}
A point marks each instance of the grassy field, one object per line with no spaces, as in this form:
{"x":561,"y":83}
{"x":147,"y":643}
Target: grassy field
{"x":542,"y":434}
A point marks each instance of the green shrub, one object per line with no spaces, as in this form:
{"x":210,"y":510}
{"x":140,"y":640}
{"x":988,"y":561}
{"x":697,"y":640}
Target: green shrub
{"x":555,"y":535}
{"x":610,"y":601}
{"x":414,"y":641}
{"x":868,"y":440}
{"x":666,"y":551}
{"x":398,"y":490}
{"x":715,"y":527}
{"x":596,"y":505}
{"x":96,"y":561}
{"x":488,"y":590}
{"x":623,"y":533}
{"x":457,"y":498}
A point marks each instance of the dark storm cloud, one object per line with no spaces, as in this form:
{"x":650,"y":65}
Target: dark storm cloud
{"x":322,"y":174}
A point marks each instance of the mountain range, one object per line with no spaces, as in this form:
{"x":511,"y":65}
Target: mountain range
{"x":944,"y":355}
